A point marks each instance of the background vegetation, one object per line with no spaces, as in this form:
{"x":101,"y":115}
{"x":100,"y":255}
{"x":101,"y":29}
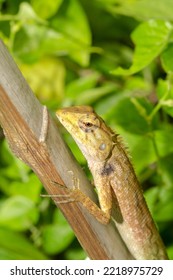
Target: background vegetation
{"x":114,"y":55}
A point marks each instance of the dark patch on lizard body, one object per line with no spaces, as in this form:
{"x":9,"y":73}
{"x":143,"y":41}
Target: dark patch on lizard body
{"x":107,"y":169}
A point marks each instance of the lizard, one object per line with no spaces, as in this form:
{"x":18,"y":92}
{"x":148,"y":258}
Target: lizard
{"x":115,"y":180}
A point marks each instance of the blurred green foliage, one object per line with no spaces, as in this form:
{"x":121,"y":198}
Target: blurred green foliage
{"x":114,"y":55}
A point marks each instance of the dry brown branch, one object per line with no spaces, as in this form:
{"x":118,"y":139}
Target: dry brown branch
{"x":34,"y":138}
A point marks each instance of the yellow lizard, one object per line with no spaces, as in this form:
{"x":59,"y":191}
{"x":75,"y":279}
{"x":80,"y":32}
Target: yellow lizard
{"x":114,"y":179}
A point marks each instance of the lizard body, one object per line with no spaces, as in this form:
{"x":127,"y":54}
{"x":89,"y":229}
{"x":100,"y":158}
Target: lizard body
{"x":115,"y":180}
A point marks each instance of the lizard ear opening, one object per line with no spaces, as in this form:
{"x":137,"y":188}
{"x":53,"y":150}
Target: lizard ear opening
{"x":102,"y":146}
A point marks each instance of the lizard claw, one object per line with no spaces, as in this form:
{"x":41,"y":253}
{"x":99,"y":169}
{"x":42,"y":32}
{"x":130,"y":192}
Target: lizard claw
{"x":75,"y":181}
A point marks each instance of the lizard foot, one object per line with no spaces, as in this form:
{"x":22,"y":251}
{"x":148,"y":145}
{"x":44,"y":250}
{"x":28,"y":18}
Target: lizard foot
{"x":73,"y":193}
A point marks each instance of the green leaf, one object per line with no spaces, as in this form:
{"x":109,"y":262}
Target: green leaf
{"x":46,"y":78}
{"x":75,"y":253}
{"x":6,"y":156}
{"x":152,"y":196}
{"x":164,"y":209}
{"x":145,"y":154}
{"x":165,"y":96}
{"x":27,"y":14}
{"x":18,"y":213}
{"x":160,"y":203}
{"x":167,"y":58}
{"x":41,"y":41}
{"x":68,"y":34}
{"x":12,"y":168}
{"x":164,"y":140}
{"x":162,"y":89}
{"x":133,"y":120}
{"x":44,"y":8}
{"x":141,"y":10}
{"x":72,"y":22}
{"x":142,"y":154}
{"x":29,"y":189}
{"x":14,"y":246}
{"x":149,"y":38}
{"x":95,"y":94}
{"x":82,"y":84}
{"x":58,"y":236}
{"x":170,"y":252}
{"x":84,"y":90}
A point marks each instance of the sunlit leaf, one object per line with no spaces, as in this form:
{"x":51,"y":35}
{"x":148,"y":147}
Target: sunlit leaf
{"x":46,"y":78}
{"x":167,"y":58}
{"x":141,"y":10}
{"x":149,"y":38}
{"x":18,"y":213}
{"x":57,"y":236}
{"x":72,"y":23}
{"x":44,"y":8}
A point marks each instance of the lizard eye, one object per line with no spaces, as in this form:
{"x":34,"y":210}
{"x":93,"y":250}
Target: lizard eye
{"x":88,"y":123}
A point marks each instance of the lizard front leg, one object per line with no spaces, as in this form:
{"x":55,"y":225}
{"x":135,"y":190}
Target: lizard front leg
{"x":74,"y":194}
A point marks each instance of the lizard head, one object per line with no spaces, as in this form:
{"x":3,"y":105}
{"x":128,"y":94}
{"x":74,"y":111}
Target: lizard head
{"x":89,"y":131}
